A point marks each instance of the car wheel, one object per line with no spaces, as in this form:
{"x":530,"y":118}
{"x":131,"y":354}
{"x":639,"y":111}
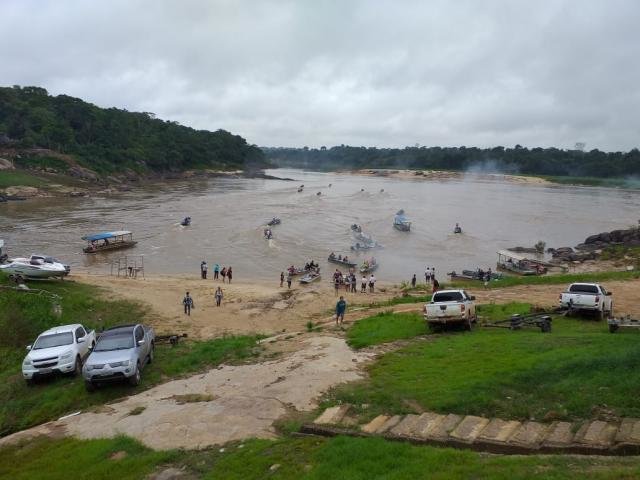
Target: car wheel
{"x":77,"y":367}
{"x":600,"y":316}
{"x":467,"y":325}
{"x":29,"y":382}
{"x":136,"y":377}
{"x":89,"y":386}
{"x":613,"y":328}
{"x":151,"y":354}
{"x":611,"y":310}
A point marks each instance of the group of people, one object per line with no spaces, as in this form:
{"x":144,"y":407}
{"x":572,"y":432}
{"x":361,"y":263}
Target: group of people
{"x":429,"y":279}
{"x":340,"y":258}
{"x":225,"y":272}
{"x":350,"y":282}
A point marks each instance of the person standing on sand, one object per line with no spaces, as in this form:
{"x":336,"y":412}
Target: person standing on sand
{"x":372,"y":283}
{"x":341,"y":308}
{"x":216,"y":271}
{"x":203,"y":270}
{"x":354,"y":283}
{"x":413,"y":281}
{"x":427,"y":275}
{"x":281,"y":279}
{"x":336,"y":284}
{"x":218,"y":296}
{"x":229,"y":274}
{"x":436,"y":285}
{"x":223,"y":273}
{"x":289,"y":279}
{"x":187,"y":301}
{"x":363,"y":284}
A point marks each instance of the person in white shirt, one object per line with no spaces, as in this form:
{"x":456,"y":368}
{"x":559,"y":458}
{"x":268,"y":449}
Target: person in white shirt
{"x":372,"y":283}
{"x":363,"y":285}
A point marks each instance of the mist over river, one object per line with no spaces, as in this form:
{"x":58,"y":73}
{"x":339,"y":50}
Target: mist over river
{"x":229,"y":216}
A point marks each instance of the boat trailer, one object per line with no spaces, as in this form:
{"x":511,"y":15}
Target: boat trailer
{"x":517,"y":322}
{"x":624,"y":322}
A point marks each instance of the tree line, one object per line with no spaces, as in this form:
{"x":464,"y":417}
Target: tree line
{"x":111,"y":139}
{"x":517,"y":160}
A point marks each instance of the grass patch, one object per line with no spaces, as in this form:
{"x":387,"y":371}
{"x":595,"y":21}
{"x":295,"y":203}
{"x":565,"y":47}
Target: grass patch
{"x":401,"y":300}
{"x":567,"y":278}
{"x":385,"y":327}
{"x":23,"y":316}
{"x":345,"y":458}
{"x":70,"y":458}
{"x":192,"y":398}
{"x":570,"y":373}
{"x":592,"y":181}
{"x":12,"y":178}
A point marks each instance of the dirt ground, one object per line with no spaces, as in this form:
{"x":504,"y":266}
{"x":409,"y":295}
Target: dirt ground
{"x":247,"y":307}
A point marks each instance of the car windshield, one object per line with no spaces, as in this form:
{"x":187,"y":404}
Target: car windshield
{"x":581,"y":288}
{"x":53,"y":340}
{"x":448,"y":297}
{"x":114,"y":342}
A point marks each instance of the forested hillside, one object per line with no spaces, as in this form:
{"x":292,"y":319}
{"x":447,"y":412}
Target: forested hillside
{"x":535,"y":161}
{"x":110,"y":140}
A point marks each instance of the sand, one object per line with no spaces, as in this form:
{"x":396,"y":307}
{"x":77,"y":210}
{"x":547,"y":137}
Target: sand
{"x":448,"y":175}
{"x":247,"y":307}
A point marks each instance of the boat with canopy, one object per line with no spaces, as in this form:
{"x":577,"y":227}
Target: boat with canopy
{"x":99,"y":242}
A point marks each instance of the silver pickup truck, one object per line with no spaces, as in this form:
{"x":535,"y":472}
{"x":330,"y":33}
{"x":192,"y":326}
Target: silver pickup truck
{"x":120,"y":354}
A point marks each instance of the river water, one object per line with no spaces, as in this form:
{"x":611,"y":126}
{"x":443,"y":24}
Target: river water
{"x":229,"y":214}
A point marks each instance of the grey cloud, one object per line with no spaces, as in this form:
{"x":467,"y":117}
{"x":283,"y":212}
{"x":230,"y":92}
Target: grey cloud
{"x":385,"y":73}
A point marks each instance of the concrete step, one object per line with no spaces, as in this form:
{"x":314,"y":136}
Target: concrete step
{"x":375,"y":424}
{"x":441,"y":427}
{"x":389,"y":424}
{"x":469,"y":428}
{"x":559,"y":435}
{"x":405,"y":427}
{"x":596,"y":433}
{"x":498,"y":430}
{"x":529,"y":435}
{"x":332,"y":415}
{"x":629,"y":431}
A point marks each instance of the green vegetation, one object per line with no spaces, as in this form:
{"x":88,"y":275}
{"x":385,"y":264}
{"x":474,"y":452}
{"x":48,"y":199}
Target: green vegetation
{"x":385,"y":327}
{"x":111,"y":140}
{"x":23,"y":316}
{"x":551,"y":162}
{"x":9,"y":178}
{"x":401,"y":300}
{"x":569,"y":373}
{"x":566,"y":278}
{"x":301,"y":458}
{"x":69,"y":458}
{"x":594,"y":181}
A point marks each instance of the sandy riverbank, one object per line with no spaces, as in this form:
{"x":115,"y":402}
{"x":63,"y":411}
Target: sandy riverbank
{"x":449,"y":175}
{"x":247,"y":307}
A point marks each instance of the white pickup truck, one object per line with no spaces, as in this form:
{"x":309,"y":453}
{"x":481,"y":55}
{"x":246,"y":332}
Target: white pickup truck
{"x":588,"y":297}
{"x":58,"y":350}
{"x":450,"y":307}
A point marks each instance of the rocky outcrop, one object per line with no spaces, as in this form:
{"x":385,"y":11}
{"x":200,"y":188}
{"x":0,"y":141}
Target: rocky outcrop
{"x":628,"y":238}
{"x":6,"y":164}
{"x":83,"y":173}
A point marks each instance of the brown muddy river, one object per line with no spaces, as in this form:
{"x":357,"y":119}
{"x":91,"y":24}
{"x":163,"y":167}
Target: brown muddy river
{"x":229,"y":214}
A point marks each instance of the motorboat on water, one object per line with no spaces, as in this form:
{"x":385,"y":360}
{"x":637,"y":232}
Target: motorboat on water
{"x":457,"y":229}
{"x":356,"y":228}
{"x":274,"y":221}
{"x":400,"y":222}
{"x":36,"y":266}
{"x":100,"y":242}
{"x":369,"y":265}
{"x":340,"y":260}
{"x":268,"y":234}
{"x":186,"y":222}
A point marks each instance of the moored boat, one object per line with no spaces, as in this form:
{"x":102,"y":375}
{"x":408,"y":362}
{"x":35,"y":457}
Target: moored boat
{"x":474,"y":275}
{"x":310,"y":277}
{"x":518,"y":264}
{"x":274,"y":221}
{"x":341,"y":261}
{"x":105,"y":241}
{"x":36,"y":266}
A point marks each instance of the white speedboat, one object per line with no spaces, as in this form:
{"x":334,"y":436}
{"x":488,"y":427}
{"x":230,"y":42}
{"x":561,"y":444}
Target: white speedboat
{"x":36,"y":266}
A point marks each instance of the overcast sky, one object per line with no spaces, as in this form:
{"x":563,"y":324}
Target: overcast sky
{"x":374,"y":73}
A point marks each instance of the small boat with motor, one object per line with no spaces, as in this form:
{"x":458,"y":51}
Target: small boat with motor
{"x":515,"y":263}
{"x":356,"y":228}
{"x":274,"y":221}
{"x":340,"y":260}
{"x":3,"y":256}
{"x":36,"y":266}
{"x":474,"y":275}
{"x":310,"y":277}
{"x":100,"y":242}
{"x":268,"y":234}
{"x":186,"y":222}
{"x":368,"y":265}
{"x":457,"y":229}
{"x":400,"y":222}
